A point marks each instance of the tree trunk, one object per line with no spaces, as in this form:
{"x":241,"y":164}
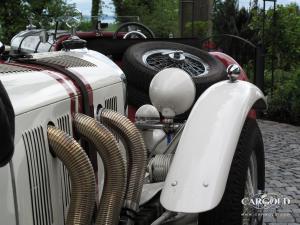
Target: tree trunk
{"x":96,"y":11}
{"x":195,"y":10}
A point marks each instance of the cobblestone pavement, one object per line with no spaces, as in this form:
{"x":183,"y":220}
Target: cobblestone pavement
{"x":282,"y":153}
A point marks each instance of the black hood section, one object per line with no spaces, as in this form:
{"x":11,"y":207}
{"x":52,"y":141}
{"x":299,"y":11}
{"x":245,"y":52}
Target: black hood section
{"x":7,"y":127}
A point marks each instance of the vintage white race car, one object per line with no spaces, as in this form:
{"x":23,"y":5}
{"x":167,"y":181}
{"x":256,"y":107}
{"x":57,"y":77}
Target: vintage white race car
{"x":70,"y":155}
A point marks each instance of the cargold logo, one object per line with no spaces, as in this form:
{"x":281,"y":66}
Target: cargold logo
{"x":266,"y":201}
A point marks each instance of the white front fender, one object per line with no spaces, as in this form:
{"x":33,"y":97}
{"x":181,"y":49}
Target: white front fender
{"x":197,"y":177}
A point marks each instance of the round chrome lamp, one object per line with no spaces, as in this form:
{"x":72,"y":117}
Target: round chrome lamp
{"x":172,"y":91}
{"x":147,"y":114}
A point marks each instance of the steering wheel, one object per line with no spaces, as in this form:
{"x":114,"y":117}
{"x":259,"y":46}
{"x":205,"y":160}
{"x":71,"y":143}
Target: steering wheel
{"x":134,"y":32}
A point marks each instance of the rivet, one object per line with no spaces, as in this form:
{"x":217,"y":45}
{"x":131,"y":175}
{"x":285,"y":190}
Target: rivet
{"x":205,"y":184}
{"x":174,"y":183}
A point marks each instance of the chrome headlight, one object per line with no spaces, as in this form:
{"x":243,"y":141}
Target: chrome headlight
{"x":124,"y":84}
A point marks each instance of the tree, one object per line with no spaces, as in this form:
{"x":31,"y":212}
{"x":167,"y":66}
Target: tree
{"x":14,"y":14}
{"x":160,"y":15}
{"x":12,"y":19}
{"x":284,"y":35}
{"x":224,"y":17}
{"x":163,"y":18}
{"x":37,"y":6}
{"x":284,"y":103}
{"x":96,"y":11}
{"x":134,"y":7}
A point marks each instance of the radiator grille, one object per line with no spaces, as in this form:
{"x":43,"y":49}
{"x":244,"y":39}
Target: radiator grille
{"x":64,"y":125}
{"x":5,"y":68}
{"x":39,"y":181}
{"x":67,"y":61}
{"x":111,"y":103}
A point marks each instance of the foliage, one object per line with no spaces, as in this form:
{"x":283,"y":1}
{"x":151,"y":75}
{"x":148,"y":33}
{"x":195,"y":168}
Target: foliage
{"x":160,"y":15}
{"x":12,"y":19}
{"x":200,"y":28}
{"x":229,"y":19}
{"x":224,"y":17}
{"x":133,"y":7}
{"x":86,"y":25}
{"x":284,"y":104}
{"x":284,"y":101}
{"x":163,"y":19}
{"x":14,"y":15}
{"x":284,"y":35}
{"x":53,"y":10}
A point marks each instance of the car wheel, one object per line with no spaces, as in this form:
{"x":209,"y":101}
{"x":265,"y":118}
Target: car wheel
{"x":246,"y":178}
{"x":142,"y":61}
{"x":137,"y":97}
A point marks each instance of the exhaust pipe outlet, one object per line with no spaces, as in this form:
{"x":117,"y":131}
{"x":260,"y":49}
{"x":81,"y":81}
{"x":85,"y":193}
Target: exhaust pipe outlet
{"x":81,"y":173}
{"x":114,"y":165}
{"x":136,"y":154}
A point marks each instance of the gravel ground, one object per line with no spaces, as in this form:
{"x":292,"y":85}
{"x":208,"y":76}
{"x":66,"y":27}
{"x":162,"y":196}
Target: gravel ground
{"x":282,"y":153}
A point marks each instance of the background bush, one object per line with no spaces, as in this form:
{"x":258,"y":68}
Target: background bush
{"x":284,"y":103}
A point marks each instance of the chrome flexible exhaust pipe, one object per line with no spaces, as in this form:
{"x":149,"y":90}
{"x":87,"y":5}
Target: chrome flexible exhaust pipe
{"x":114,"y":165}
{"x":136,"y":154}
{"x":81,"y":173}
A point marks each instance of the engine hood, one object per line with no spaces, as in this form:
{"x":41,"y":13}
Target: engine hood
{"x":93,"y":67}
{"x":30,"y":87}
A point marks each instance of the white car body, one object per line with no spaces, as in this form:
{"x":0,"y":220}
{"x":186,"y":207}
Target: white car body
{"x":197,"y":178}
{"x":35,"y":186}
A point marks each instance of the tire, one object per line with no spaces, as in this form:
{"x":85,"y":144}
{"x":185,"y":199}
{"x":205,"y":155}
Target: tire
{"x":230,"y":209}
{"x":137,"y":97}
{"x":139,"y":74}
{"x":7,"y":123}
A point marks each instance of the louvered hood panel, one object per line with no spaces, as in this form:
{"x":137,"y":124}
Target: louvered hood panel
{"x":43,"y":187}
{"x":37,"y":164}
{"x":40,"y":97}
{"x":92,"y":67}
{"x":30,"y":89}
{"x":64,"y":124}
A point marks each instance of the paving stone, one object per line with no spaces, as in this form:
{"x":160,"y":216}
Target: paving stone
{"x":285,"y":218}
{"x":296,"y":210}
{"x":282,"y":153}
{"x":284,"y":210}
{"x":291,"y":189}
{"x":293,"y":206}
{"x":277,"y":223}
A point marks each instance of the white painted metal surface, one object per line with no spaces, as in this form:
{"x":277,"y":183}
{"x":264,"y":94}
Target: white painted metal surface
{"x":172,"y":92}
{"x":197,"y":177}
{"x":105,"y":73}
{"x":7,"y":207}
{"x":39,"y":98}
{"x":23,"y":162}
{"x":31,"y":90}
{"x":152,"y":139}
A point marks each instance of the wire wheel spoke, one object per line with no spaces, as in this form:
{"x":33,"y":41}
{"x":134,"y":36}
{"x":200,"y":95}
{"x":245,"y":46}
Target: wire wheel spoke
{"x":160,"y":59}
{"x":251,"y":216}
